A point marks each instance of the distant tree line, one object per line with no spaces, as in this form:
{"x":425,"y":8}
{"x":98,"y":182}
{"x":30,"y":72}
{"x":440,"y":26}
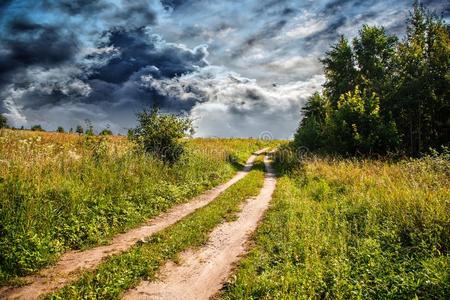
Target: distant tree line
{"x":381,"y":94}
{"x":79,"y":129}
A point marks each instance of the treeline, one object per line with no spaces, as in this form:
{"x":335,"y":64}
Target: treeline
{"x":79,"y":129}
{"x":383,"y":95}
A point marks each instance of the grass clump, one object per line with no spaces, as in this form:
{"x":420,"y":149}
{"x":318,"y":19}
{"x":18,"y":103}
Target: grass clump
{"x":65,"y":191}
{"x":353,"y":229}
{"x":124,"y":271}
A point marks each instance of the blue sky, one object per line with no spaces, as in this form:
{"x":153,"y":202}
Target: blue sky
{"x":238,"y":68}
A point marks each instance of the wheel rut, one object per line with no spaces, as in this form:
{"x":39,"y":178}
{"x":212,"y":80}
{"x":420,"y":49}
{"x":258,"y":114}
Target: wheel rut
{"x":73,"y":263}
{"x":203,"y":272}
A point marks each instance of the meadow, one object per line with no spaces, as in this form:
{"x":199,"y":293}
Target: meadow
{"x":352,"y":229}
{"x":65,"y":191}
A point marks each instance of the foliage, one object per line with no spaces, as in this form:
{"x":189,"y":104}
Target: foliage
{"x":106,"y":131}
{"x":353,"y":229}
{"x":37,"y":128}
{"x":408,"y":82}
{"x":160,"y":134}
{"x":64,"y":191}
{"x":3,"y":121}
{"x":60,"y":129}
{"x":89,"y":131}
{"x":79,"y":129}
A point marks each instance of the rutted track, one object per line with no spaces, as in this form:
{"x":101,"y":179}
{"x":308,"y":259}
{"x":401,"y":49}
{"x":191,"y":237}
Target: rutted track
{"x":74,"y":263}
{"x":202,"y":273}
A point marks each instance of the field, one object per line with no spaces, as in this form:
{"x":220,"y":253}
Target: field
{"x":336,"y":228}
{"x":65,"y":191}
{"x":352,"y":229}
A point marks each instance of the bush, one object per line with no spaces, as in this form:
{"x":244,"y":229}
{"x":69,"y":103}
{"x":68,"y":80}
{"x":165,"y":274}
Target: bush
{"x":37,"y":128}
{"x":60,"y":129}
{"x":79,"y":129}
{"x":160,"y":134}
{"x":106,"y":131}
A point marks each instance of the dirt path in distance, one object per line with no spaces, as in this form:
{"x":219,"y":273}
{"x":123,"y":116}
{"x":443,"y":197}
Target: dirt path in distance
{"x":202,"y":273}
{"x":73,"y":263}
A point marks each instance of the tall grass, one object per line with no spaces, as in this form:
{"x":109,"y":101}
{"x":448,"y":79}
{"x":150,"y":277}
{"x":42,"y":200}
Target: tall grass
{"x":64,"y":191}
{"x":353,"y":229}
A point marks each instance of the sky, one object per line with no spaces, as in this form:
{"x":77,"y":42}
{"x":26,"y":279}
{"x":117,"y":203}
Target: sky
{"x":239,"y":68}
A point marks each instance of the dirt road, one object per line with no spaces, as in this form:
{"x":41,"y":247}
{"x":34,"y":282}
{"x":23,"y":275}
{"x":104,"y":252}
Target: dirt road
{"x":73,"y":263}
{"x":202,"y":273}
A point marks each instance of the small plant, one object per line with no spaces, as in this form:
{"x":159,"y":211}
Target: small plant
{"x":161,"y":134}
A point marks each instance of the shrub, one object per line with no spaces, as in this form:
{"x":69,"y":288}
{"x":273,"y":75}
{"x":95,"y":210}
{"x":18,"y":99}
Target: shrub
{"x":60,"y":129}
{"x":79,"y":129}
{"x":106,"y":131}
{"x":160,"y":134}
{"x":37,"y":128}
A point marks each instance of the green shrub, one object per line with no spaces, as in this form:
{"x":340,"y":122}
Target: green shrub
{"x":160,"y":134}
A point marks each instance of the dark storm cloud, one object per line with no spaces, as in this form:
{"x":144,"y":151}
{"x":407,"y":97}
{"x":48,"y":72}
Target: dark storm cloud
{"x":63,"y":61}
{"x":139,"y":50}
{"x":77,"y":7}
{"x":26,"y":44}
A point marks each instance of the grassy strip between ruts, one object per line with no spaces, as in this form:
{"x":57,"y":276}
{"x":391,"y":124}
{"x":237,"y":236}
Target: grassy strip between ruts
{"x":345,"y":229}
{"x":124,"y":271}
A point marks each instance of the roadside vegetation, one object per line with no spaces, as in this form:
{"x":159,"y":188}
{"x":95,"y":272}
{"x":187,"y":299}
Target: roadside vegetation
{"x":352,"y":229}
{"x":124,"y":271}
{"x":65,"y":191}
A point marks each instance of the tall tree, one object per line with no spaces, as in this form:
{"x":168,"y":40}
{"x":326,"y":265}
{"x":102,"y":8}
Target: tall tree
{"x":340,"y":71}
{"x":422,"y":99}
{"x":3,"y":121}
{"x":375,"y":53}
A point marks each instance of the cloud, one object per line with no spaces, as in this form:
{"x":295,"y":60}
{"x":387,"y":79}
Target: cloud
{"x":238,"y":67}
{"x":227,"y":104}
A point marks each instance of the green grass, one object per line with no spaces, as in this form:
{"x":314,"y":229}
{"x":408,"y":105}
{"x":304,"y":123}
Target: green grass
{"x":346,"y":229}
{"x":121,"y":272}
{"x":64,"y":191}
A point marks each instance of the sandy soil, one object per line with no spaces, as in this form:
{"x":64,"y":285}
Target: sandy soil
{"x":73,"y":263}
{"x":202,"y":273}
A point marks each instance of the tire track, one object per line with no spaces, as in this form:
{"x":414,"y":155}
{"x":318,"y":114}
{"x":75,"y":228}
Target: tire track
{"x":203,"y":272}
{"x":73,"y":263}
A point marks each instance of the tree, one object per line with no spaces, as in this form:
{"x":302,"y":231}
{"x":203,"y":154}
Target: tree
{"x":79,"y":129}
{"x":356,"y":127}
{"x":60,"y":129}
{"x":340,"y":71}
{"x":421,"y":105}
{"x":161,"y":134}
{"x":3,"y":121}
{"x":310,"y":133}
{"x":374,"y":52}
{"x":106,"y":131}
{"x":90,"y":131}
{"x":37,"y":128}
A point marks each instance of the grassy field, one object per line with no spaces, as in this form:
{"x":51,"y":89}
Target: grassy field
{"x":64,"y":191}
{"x":123,"y":271}
{"x":353,"y":229}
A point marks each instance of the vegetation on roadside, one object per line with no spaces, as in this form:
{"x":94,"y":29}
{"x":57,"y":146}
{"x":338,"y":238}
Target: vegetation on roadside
{"x":124,"y":271}
{"x":65,"y":191}
{"x":383,"y":95}
{"x":161,"y":134}
{"x":352,"y":229}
